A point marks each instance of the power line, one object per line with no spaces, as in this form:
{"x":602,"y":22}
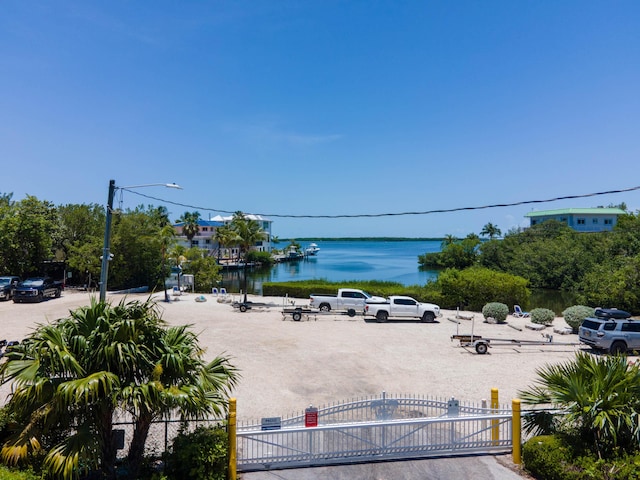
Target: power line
{"x":398,"y":214}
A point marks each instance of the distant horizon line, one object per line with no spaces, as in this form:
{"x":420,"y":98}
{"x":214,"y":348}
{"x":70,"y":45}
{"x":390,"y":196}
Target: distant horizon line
{"x":360,"y":239}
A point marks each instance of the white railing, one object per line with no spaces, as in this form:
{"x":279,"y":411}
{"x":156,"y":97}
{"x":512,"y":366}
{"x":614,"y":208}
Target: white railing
{"x":373,"y":429}
{"x":373,"y":441}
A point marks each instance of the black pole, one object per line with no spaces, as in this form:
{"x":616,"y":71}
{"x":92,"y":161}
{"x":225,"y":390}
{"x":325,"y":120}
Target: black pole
{"x":107,"y":239}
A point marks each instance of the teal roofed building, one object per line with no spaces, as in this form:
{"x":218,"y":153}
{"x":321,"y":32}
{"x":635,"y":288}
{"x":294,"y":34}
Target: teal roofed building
{"x":580,"y":219}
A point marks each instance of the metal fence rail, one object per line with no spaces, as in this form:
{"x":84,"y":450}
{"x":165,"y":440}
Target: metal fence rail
{"x":382,"y":407}
{"x":385,"y":427}
{"x":373,"y":441}
{"x":161,"y":433}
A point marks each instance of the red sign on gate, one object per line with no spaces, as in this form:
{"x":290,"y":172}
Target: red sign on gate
{"x":311,"y":417}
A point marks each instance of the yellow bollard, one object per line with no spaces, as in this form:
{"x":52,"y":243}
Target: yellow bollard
{"x":495,"y":424}
{"x":232,"y":440}
{"x":516,"y":431}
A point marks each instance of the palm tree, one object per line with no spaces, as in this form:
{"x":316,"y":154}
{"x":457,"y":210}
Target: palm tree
{"x":190,"y":227}
{"x":177,"y":256}
{"x":71,"y":376}
{"x":490,"y":230}
{"x":448,"y":240}
{"x":592,"y":399}
{"x":248,"y":232}
{"x":226,"y":237}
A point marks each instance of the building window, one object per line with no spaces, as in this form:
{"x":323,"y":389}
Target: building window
{"x":595,"y":221}
{"x":608,"y":221}
{"x":581,"y":221}
{"x":563,"y":219}
{"x":208,"y":241}
{"x":534,"y":222}
{"x":194,"y":243}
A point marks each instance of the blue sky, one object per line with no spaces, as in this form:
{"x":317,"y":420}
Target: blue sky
{"x":324,"y":108}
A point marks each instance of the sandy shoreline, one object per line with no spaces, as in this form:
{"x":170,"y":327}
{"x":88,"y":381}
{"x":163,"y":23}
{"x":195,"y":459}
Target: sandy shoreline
{"x":287,"y":365}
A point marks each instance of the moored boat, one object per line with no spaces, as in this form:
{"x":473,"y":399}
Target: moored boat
{"x":312,"y":249}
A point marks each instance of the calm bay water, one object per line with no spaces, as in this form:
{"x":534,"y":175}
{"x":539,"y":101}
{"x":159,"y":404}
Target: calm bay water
{"x":395,"y":261}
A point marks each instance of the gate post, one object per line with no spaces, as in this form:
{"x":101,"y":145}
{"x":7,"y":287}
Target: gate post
{"x":232,"y":440}
{"x":516,"y":431}
{"x":495,"y":424}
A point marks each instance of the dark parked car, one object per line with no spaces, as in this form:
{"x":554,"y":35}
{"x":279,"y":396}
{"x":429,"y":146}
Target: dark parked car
{"x":7,"y":286}
{"x":36,"y":289}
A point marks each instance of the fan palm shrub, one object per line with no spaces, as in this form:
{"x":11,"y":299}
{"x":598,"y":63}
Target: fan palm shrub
{"x":593,"y":401}
{"x":71,"y":376}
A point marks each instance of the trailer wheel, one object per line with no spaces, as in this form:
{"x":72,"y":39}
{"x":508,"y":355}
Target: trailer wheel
{"x":243,"y":308}
{"x":325,"y":307}
{"x":297,"y":316}
{"x":351,"y":312}
{"x":382,"y":316}
{"x":481,"y":348}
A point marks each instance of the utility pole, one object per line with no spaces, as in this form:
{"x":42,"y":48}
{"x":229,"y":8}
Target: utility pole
{"x":106,"y":256}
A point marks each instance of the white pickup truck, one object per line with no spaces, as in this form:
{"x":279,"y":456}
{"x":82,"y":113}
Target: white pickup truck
{"x":350,"y":300}
{"x":401,"y":307}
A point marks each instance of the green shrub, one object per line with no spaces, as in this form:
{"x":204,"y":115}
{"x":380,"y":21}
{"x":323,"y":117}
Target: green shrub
{"x":496,"y":310}
{"x":576,"y":314}
{"x":546,"y":457}
{"x":474,"y":287}
{"x":201,"y":454}
{"x":551,"y":457}
{"x":542,"y":316}
{"x":263,"y":258}
{"x":7,"y":473}
{"x":625,"y":467}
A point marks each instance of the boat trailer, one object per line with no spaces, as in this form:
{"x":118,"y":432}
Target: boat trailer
{"x":482,"y":344}
{"x":248,"y":305}
{"x":296,"y":313}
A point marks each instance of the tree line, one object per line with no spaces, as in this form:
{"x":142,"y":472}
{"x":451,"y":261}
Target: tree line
{"x":143,"y":243}
{"x":601,"y":268}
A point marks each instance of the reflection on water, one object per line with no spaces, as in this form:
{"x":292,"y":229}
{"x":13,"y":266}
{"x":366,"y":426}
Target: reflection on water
{"x":552,"y":299}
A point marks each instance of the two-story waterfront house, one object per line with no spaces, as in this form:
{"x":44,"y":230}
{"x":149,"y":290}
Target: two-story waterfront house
{"x":206,"y":237}
{"x":580,"y":219}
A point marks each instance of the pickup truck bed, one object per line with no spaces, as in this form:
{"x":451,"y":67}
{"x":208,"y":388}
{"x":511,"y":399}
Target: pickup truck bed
{"x":347,"y":299}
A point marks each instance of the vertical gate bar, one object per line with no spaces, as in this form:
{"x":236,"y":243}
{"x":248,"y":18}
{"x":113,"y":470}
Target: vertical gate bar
{"x":495,"y":427}
{"x":166,"y":435}
{"x":232,"y":440}
{"x":516,"y":431}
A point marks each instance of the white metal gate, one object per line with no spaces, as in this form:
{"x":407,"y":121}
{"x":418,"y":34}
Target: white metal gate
{"x":388,"y":428}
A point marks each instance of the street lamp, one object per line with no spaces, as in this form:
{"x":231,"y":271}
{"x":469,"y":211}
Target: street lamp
{"x":106,"y":255}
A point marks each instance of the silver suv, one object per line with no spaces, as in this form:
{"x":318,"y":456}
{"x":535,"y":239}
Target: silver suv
{"x":611,"y":330}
